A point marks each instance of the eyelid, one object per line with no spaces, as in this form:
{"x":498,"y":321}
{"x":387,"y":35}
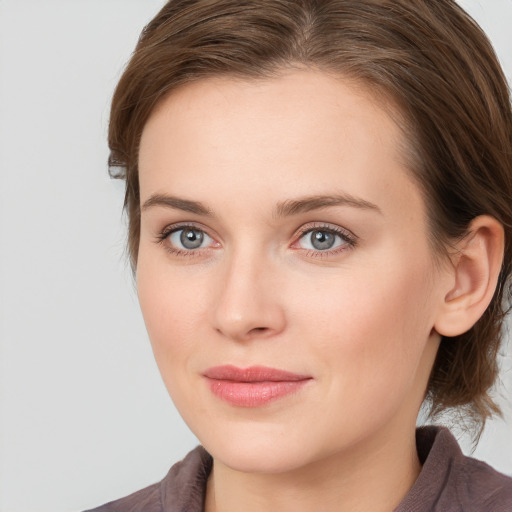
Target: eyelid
{"x":346,"y":235}
{"x":163,"y":236}
{"x":175,"y":226}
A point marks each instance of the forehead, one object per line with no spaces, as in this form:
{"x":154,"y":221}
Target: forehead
{"x":299,"y":131}
{"x":299,"y":94}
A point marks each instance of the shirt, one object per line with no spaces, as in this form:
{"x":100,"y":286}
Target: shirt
{"x":449,"y":481}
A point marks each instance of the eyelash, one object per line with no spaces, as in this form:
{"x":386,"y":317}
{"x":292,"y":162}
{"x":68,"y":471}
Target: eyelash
{"x":169,"y":230}
{"x":349,"y":239}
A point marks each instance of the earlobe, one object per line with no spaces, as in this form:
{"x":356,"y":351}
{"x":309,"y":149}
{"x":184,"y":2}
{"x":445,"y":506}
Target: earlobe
{"x":475,"y":270}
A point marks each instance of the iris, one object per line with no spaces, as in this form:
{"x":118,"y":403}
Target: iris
{"x":322,"y":240}
{"x":191,"y":238}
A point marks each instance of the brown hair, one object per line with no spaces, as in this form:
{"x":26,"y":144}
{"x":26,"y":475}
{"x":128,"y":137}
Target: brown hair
{"x":428,"y":56}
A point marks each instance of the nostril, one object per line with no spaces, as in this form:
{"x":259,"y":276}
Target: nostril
{"x":259,"y":329}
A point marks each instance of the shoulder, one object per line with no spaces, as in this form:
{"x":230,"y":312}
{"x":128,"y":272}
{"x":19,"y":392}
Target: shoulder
{"x":480,"y":487}
{"x":147,"y":499}
{"x":183,"y":488}
{"x":451,"y":481}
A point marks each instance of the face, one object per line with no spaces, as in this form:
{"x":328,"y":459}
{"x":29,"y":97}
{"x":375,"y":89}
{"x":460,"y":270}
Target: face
{"x":284,"y":270}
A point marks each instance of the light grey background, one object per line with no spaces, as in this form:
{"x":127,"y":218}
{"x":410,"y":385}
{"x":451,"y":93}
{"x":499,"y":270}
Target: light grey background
{"x":84,"y":416}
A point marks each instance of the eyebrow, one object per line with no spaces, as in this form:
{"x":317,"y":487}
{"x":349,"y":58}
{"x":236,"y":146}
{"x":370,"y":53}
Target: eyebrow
{"x":177,"y":203}
{"x":286,"y":208}
{"x":317,"y":202}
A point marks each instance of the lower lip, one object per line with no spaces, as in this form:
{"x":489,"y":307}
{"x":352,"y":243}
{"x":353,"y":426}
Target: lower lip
{"x":253,"y":394}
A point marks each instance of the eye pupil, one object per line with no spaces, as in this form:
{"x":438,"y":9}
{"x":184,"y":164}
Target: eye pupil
{"x":191,"y":238}
{"x":322,"y":240}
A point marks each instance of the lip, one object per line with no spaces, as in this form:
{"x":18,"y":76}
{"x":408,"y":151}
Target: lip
{"x":254,"y":386}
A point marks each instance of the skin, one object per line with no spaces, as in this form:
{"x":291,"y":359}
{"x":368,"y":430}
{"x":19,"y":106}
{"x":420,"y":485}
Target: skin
{"x":358,"y":319}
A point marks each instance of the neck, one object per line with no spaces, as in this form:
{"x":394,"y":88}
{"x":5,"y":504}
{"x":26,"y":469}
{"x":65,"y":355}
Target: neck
{"x":375,"y":477}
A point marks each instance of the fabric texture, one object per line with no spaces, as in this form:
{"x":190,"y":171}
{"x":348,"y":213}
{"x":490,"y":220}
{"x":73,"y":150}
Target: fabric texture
{"x":449,"y":482}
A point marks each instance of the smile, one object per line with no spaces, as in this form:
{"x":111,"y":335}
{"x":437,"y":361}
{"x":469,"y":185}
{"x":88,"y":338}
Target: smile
{"x":252,"y":387}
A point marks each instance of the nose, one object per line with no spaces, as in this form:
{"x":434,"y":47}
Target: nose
{"x":249,"y":302}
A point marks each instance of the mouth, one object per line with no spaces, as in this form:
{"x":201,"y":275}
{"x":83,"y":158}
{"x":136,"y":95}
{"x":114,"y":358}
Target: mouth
{"x":254,"y":386}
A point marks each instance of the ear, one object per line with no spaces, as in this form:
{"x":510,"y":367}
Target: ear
{"x":474,"y":271}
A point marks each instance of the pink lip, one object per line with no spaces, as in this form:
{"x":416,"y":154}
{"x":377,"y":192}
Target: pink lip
{"x":254,"y":386}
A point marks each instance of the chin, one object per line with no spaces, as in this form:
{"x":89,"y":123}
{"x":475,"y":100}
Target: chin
{"x":257,"y":453}
{"x":262,"y":460}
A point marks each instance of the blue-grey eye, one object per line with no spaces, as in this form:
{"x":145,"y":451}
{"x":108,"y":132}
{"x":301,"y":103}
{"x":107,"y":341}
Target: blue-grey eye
{"x":321,"y":240}
{"x":189,"y":238}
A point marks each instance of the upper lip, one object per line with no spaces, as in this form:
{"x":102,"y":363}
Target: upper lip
{"x":252,"y":374}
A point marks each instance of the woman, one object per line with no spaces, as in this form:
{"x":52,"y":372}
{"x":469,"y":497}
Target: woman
{"x":320,"y":221}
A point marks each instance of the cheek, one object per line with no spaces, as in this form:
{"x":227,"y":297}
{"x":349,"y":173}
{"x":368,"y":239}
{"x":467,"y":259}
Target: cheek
{"x":371,"y":322}
{"x":172,"y":308}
